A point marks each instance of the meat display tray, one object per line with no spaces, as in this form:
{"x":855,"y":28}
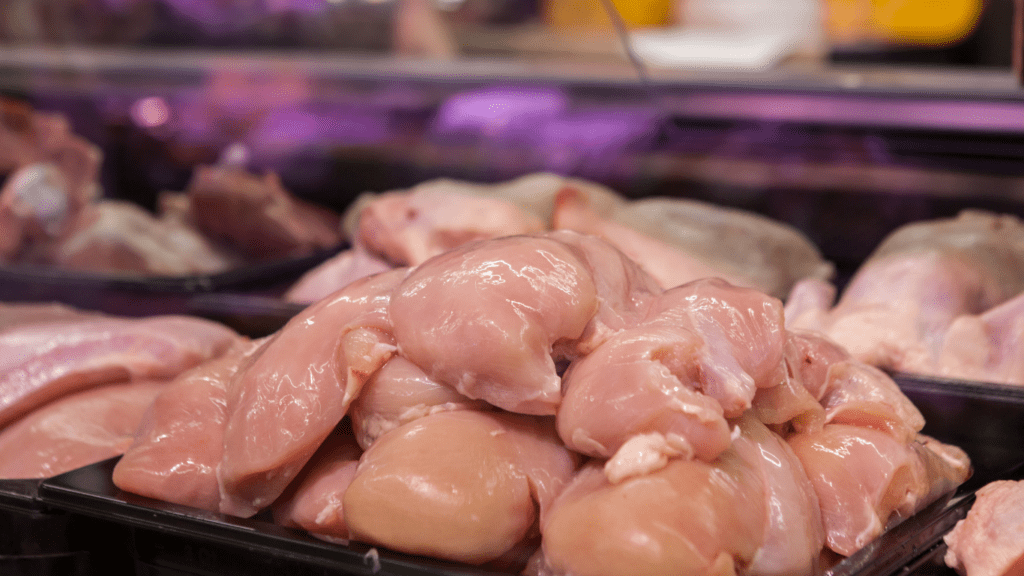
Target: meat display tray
{"x":172,"y":540}
{"x":146,"y":295}
{"x":37,"y":540}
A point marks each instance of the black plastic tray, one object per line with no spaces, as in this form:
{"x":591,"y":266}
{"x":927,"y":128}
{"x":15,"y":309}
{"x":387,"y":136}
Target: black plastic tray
{"x":146,"y":295}
{"x":172,"y":540}
{"x":250,"y":314}
{"x":37,"y":540}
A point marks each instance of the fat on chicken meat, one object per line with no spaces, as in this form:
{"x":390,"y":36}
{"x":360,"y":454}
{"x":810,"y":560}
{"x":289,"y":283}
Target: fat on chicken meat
{"x":399,"y":393}
{"x":485,"y":318}
{"x":897,"y":309}
{"x":74,"y":431}
{"x":696,"y":359}
{"x":180,"y":440}
{"x":313,"y":502}
{"x":989,"y":541}
{"x":867,"y":479}
{"x":43,"y":361}
{"x":465,"y":485}
{"x":689,"y":518}
{"x":290,"y":397}
{"x":334,"y":274}
{"x":257,"y":215}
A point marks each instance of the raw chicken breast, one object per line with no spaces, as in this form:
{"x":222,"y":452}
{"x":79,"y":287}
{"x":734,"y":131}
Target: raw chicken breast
{"x":399,"y":393}
{"x":314,"y":500}
{"x":993,"y":243}
{"x":863,"y":395}
{"x":40,"y":362}
{"x":117,"y":236}
{"x":866,"y":479}
{"x":990,"y":540}
{"x":74,"y":431}
{"x":698,"y":358}
{"x":295,"y":392}
{"x":180,"y":440}
{"x":408,"y":227}
{"x":334,"y":274}
{"x":465,"y":485}
{"x":484,"y":318}
{"x":257,"y":216}
{"x":625,"y":293}
{"x":642,"y":383}
{"x":688,"y":518}
{"x":794,"y":534}
{"x":533,"y":195}
{"x":795,"y":403}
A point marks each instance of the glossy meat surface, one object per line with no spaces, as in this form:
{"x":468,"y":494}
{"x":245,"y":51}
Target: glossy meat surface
{"x":295,"y":392}
{"x":462,"y":485}
{"x":866,"y":479}
{"x":688,"y":518}
{"x":794,"y":533}
{"x":484,"y":319}
{"x":399,"y":393}
{"x":75,"y":431}
{"x":990,"y":540}
{"x":314,"y":501}
{"x":697,"y":358}
{"x":40,"y":362}
{"x":180,"y":441}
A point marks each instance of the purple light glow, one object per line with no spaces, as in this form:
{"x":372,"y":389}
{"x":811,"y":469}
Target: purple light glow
{"x":499,"y":113}
{"x":150,"y":112}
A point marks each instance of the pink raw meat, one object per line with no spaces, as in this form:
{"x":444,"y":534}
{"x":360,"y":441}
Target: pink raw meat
{"x":295,"y":392}
{"x":409,"y":227}
{"x":866,"y":479}
{"x":40,"y":362}
{"x":414,"y":493}
{"x":698,"y":358}
{"x":334,"y":274}
{"x":485,"y":318}
{"x":990,"y":540}
{"x":690,"y":518}
{"x":314,"y":500}
{"x":399,"y":393}
{"x":75,"y":431}
{"x":180,"y":440}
